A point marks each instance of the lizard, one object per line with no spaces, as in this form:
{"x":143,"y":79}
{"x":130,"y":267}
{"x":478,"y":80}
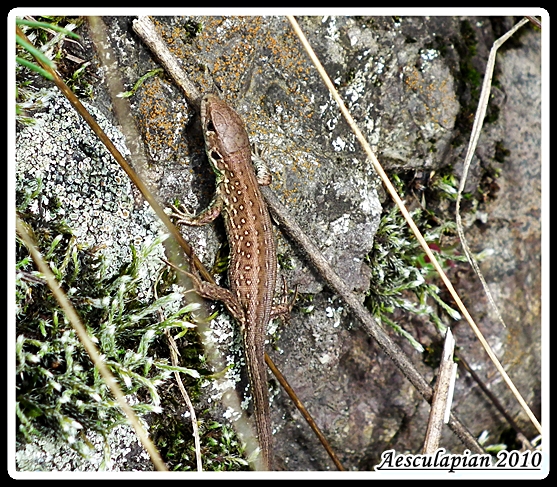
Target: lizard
{"x":252,"y":267}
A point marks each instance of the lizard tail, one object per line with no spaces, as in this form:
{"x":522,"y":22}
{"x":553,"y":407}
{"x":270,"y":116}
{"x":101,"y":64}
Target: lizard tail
{"x":261,"y":414}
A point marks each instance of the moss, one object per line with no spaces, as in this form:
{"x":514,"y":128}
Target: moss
{"x":59,"y":389}
{"x":400,"y":270}
{"x":348,"y":77}
{"x":468,"y":81}
{"x":492,"y":114}
{"x":75,"y":71}
{"x":57,"y":386}
{"x":403,"y":280}
{"x":221,"y":450}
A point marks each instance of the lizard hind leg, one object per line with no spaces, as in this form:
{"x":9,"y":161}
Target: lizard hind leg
{"x":209,"y":290}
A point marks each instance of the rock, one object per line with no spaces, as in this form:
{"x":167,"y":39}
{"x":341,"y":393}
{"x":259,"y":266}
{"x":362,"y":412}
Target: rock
{"x":410,"y":83}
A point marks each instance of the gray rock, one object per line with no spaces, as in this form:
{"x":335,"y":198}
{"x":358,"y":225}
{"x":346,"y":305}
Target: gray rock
{"x":404,"y":80}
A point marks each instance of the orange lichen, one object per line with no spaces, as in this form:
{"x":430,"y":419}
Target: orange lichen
{"x":236,"y":51}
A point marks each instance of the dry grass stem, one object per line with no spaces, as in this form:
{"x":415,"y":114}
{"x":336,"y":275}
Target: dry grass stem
{"x":396,"y":198}
{"x":474,"y":137}
{"x":89,"y":346}
{"x":174,"y":353}
{"x":441,"y":397}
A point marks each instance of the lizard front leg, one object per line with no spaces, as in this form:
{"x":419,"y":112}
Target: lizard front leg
{"x":206,"y":216}
{"x":205,"y":289}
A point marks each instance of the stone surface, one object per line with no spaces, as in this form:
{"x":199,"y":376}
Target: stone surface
{"x":405,"y":81}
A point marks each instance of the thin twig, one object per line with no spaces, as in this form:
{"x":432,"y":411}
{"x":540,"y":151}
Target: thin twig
{"x":89,"y":346}
{"x":144,"y":28}
{"x":396,"y":198}
{"x":313,"y":425}
{"x":474,"y":137}
{"x":174,"y":354}
{"x":393,"y":351}
{"x":520,"y":433}
{"x":315,"y":257}
{"x":174,"y":357}
{"x":537,"y":22}
{"x":441,"y":397}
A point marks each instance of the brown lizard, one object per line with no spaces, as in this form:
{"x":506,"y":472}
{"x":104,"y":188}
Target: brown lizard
{"x":253,"y":263}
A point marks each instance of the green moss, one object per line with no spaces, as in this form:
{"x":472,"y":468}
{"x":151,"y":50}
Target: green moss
{"x":57,"y":386}
{"x":221,"y":450}
{"x":401,"y":274}
{"x":492,"y":114}
{"x":349,"y":77}
{"x":467,"y":49}
{"x":59,"y":390}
